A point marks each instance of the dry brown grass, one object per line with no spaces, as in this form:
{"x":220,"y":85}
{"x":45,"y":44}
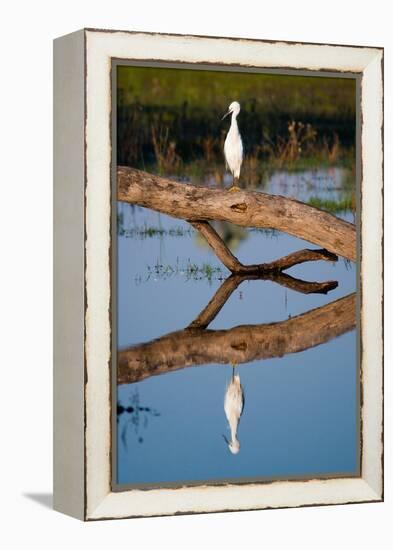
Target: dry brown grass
{"x":287,"y":150}
{"x":167,"y":159}
{"x":332,"y":152}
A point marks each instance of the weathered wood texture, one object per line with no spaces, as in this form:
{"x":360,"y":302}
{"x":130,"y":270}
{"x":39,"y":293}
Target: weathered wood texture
{"x":242,"y":344}
{"x":244,"y":208}
{"x":232,"y":263}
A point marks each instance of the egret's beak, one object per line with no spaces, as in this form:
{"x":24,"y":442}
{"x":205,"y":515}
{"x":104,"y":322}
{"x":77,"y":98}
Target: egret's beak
{"x":226,"y":114}
{"x":225,"y":439}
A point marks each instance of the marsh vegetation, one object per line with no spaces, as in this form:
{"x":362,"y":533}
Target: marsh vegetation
{"x":169,"y":123}
{"x":292,"y":335}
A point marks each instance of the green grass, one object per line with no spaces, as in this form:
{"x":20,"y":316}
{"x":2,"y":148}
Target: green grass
{"x":271,"y":233}
{"x":172,"y":117}
{"x":190,"y":271}
{"x":145,"y":231}
{"x":332,"y":206}
{"x":214,"y":90}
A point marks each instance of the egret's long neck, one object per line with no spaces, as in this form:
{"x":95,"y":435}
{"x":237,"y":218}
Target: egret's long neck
{"x":234,"y":125}
{"x":233,"y":427}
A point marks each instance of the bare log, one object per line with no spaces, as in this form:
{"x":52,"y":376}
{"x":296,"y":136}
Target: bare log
{"x":242,"y":344}
{"x":244,"y":208}
{"x":232,"y":263}
{"x":218,"y":246}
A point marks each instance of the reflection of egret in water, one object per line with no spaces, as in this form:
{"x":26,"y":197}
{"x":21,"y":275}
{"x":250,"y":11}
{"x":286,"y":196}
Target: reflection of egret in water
{"x":135,"y":415}
{"x":195,"y":345}
{"x":233,"y":406}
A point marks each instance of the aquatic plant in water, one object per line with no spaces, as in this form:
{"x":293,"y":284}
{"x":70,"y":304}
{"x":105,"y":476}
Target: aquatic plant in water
{"x":135,"y":416}
{"x":190,"y":271}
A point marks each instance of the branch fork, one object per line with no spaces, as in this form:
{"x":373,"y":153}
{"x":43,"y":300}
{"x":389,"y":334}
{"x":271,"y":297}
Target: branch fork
{"x":277,"y":266}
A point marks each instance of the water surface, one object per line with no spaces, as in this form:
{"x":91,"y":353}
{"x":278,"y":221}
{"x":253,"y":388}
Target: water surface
{"x":300,"y":413}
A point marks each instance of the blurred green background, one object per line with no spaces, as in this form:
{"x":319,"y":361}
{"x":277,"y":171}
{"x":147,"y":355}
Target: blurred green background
{"x":169,"y":121}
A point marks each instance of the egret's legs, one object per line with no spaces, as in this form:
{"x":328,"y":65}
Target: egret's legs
{"x":234,"y":187}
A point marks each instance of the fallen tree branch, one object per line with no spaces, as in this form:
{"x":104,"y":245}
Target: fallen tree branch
{"x":244,"y":208}
{"x":232,"y":263}
{"x":218,"y":246}
{"x":242,"y":344}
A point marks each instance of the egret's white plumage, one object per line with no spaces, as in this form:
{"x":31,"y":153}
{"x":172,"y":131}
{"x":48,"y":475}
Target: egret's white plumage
{"x":233,"y":406}
{"x":233,"y":146}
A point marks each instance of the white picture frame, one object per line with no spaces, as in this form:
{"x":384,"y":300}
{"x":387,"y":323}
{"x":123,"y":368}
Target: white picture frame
{"x":82,"y":258}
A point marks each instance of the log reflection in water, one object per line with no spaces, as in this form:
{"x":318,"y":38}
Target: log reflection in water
{"x":242,"y":344}
{"x":233,"y":281}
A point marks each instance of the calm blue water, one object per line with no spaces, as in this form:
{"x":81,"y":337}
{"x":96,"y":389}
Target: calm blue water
{"x":300,"y":413}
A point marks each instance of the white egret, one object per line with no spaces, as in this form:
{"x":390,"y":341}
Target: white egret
{"x":233,"y":146}
{"x":233,"y":406}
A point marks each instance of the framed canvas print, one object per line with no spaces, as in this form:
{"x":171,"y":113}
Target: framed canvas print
{"x":218,"y":274}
